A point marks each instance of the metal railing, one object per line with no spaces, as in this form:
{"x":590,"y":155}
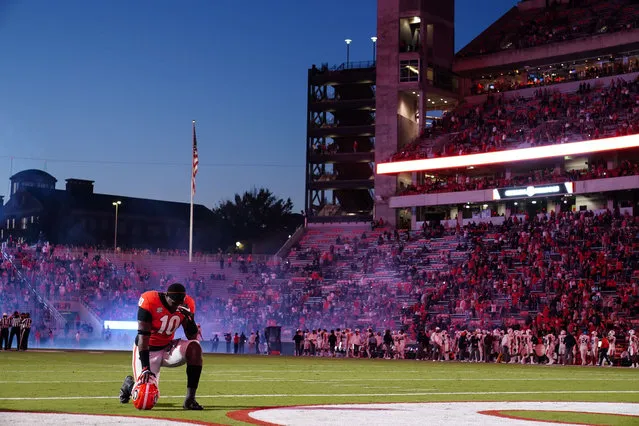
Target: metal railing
{"x":353,"y":65}
{"x":364,"y":219}
{"x":134,"y":255}
{"x":347,"y":66}
{"x":297,"y":235}
{"x":56,"y":315}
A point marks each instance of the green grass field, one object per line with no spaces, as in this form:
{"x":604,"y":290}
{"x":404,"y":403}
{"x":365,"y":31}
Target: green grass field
{"x":85,"y":382}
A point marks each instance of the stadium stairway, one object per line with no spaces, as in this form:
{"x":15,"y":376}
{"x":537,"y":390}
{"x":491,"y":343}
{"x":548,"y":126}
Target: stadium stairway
{"x":36,"y":300}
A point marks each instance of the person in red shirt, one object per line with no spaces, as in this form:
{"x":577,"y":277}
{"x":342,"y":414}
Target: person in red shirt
{"x":159,"y":316}
{"x":603,"y":351}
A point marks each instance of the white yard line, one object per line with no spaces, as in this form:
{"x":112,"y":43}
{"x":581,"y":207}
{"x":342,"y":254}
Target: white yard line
{"x":30,"y":419}
{"x":310,"y":395}
{"x":330,"y":381}
{"x":341,"y":385}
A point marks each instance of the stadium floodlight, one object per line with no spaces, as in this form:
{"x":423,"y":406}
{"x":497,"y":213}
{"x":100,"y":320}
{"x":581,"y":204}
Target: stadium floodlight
{"x":348,"y":52}
{"x":511,"y":155}
{"x":115,"y":232}
{"x":374,"y":40}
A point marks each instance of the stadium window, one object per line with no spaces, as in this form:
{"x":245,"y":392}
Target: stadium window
{"x":409,"y":70}
{"x":430,"y":75}
{"x":32,"y":219}
{"x":23,"y":223}
{"x":13,"y":223}
{"x":409,"y":34}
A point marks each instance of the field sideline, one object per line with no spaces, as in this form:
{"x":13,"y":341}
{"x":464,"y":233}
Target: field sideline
{"x":88,"y":382}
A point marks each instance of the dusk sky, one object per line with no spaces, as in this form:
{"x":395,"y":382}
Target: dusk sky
{"x":106,"y":90}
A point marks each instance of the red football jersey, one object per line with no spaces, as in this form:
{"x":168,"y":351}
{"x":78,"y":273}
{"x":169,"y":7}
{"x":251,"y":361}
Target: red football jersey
{"x":163,"y":323}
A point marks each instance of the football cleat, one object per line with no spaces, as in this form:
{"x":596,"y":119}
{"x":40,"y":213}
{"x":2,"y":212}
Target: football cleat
{"x":191,"y":404}
{"x":145,"y":395}
{"x":125,"y":390}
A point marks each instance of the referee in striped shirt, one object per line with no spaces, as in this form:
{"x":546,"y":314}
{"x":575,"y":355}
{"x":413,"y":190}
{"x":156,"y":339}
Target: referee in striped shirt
{"x":15,"y":331}
{"x":25,"y":330}
{"x":5,"y":323}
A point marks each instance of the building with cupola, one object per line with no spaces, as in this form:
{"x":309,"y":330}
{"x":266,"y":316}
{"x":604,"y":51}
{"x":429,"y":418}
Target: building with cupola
{"x":38,"y":211}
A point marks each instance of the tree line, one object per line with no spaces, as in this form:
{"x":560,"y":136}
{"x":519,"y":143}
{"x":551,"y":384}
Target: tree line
{"x":258,"y":220}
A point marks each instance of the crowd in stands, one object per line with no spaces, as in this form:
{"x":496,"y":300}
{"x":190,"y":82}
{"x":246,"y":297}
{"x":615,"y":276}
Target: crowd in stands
{"x":549,"y":117}
{"x":16,"y":294}
{"x":555,"y":23}
{"x":481,"y":292}
{"x":459,"y":182}
{"x":556,"y":75}
{"x":566,"y":271}
{"x":110,"y":290}
{"x":555,"y":275}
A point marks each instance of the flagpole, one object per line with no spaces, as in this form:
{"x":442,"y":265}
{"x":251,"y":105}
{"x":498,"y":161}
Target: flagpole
{"x":191,"y":231}
{"x":191,"y":218}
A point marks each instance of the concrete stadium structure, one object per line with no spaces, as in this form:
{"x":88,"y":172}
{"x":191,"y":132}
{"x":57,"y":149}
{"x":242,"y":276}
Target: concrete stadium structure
{"x":542,"y":59}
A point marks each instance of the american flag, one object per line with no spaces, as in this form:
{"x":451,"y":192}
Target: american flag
{"x":196,"y":161}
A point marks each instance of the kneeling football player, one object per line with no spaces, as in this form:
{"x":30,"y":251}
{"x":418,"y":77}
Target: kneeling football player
{"x":159,"y":316}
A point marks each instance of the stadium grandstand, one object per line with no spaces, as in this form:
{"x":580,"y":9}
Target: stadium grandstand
{"x":490,"y":192}
{"x":544,"y":74}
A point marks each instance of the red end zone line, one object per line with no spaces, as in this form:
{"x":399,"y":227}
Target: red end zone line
{"x":244,"y":415}
{"x":499,"y":413}
{"x":195,"y":422}
{"x":510,"y":155}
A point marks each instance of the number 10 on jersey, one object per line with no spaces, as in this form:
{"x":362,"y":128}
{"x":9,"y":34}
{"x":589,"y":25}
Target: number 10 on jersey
{"x":169,"y":324}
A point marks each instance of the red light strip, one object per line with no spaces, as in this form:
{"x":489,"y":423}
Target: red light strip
{"x":511,"y":155}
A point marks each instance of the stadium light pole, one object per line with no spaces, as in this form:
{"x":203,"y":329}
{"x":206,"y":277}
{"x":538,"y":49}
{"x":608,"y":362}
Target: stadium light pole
{"x":374,"y":40}
{"x":348,"y":52}
{"x":115,"y":234}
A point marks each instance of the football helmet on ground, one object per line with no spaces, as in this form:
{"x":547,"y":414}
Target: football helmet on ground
{"x":145,"y":395}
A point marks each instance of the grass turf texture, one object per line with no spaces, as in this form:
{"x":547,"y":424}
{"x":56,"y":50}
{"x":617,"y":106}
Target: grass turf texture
{"x":232,"y":383}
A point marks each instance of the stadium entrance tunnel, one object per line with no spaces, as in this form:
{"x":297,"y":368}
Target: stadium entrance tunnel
{"x":442,"y":413}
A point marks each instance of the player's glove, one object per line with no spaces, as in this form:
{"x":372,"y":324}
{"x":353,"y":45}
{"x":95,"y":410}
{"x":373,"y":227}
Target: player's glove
{"x":184,"y":310}
{"x":146,"y":376}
